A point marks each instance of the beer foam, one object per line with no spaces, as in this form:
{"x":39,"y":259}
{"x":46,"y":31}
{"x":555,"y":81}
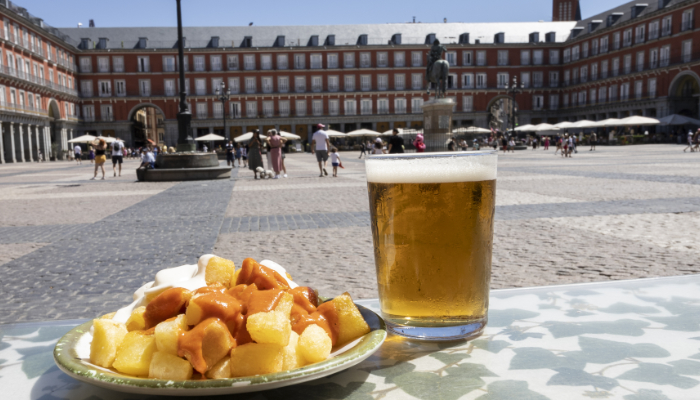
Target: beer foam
{"x":432,"y":167}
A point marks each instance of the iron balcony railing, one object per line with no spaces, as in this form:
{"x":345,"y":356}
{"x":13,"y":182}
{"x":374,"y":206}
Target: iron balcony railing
{"x":36,"y":80}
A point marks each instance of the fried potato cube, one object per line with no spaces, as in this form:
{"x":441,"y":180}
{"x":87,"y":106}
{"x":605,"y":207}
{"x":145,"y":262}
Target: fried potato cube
{"x":106,"y":338}
{"x":166,"y":305}
{"x":136,"y":321}
{"x":216,"y":344}
{"x":168,"y":332}
{"x":256,"y":359}
{"x":170,"y":367}
{"x":285,"y":304}
{"x":221,"y":370}
{"x":314,"y":344}
{"x":351,"y":324}
{"x":206,"y":344}
{"x":108,"y":316}
{"x":291,"y":358}
{"x":219,"y":270}
{"x":135,"y":353}
{"x":272,"y":327}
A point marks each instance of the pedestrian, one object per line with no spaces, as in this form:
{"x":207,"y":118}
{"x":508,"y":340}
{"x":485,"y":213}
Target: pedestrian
{"x":284,"y":169}
{"x":594,"y":140}
{"x":363,"y":149}
{"x":378,"y":147}
{"x":696,"y":141}
{"x":205,"y":148}
{"x":230,"y":154}
{"x":451,"y":145}
{"x":463,"y":144}
{"x":395,"y":142}
{"x":100,"y":157}
{"x":275,"y":142}
{"x":690,"y":141}
{"x":244,"y":155}
{"x":254,"y":153}
{"x":148,"y":160}
{"x":77,"y":152}
{"x":511,"y":145}
{"x":320,"y":145}
{"x":546,"y":143}
{"x":237,"y":153}
{"x":476,"y":145}
{"x":117,"y":156}
{"x":335,"y":161}
{"x":91,"y":154}
{"x":504,"y":143}
{"x":419,"y":144}
{"x":125,"y":153}
{"x":40,"y":155}
{"x":565,"y":145}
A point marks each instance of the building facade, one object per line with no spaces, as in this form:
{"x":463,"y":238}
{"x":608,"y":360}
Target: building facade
{"x":635,"y":59}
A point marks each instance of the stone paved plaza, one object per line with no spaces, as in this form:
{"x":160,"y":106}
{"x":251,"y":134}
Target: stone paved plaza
{"x":75,"y":248}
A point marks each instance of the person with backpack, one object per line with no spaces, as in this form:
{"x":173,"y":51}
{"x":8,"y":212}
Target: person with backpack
{"x":363,"y":149}
{"x":117,"y":156}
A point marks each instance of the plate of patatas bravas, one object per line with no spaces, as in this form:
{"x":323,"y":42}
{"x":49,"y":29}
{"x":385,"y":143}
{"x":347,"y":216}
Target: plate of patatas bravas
{"x":210,"y":329}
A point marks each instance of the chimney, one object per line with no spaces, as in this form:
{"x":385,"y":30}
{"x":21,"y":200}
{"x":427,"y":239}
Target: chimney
{"x":92,"y":23}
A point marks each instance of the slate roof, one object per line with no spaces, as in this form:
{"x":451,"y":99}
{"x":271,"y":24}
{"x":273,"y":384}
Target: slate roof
{"x":626,"y":11}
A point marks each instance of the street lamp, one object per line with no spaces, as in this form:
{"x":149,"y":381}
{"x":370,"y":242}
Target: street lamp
{"x":184,"y":116}
{"x":224,"y":95}
{"x":512,"y":91}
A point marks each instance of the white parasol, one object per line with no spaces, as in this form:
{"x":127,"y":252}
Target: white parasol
{"x":210,"y":137}
{"x":83,"y":139}
{"x":247,"y":136}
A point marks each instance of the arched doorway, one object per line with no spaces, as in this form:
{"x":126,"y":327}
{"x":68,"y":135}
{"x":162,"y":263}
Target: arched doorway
{"x":147,"y":123}
{"x":55,"y":132}
{"x":683,"y":94}
{"x":500,"y":110}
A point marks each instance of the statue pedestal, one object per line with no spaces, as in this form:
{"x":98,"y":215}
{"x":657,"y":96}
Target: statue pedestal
{"x":437,"y":124}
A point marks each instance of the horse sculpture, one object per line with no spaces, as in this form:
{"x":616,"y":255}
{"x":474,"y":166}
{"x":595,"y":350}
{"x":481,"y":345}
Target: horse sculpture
{"x":437,"y":76}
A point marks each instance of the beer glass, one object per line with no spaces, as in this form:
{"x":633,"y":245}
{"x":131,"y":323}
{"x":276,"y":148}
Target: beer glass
{"x":432,"y":226}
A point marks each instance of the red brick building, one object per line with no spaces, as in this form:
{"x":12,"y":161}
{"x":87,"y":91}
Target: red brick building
{"x":637,"y":59}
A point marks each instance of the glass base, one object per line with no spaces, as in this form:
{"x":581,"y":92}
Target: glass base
{"x":468,"y":331}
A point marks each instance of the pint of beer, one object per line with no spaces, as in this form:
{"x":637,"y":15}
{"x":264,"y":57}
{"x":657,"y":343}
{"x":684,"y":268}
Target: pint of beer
{"x":432,"y":225}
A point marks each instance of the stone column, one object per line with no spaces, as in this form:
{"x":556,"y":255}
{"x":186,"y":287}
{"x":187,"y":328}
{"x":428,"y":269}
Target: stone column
{"x":437,"y":123}
{"x":47,"y":142}
{"x":391,"y":125}
{"x":38,"y":144}
{"x":13,"y":153}
{"x":2,"y":144}
{"x":71,"y":134}
{"x":20,"y":130}
{"x":30,"y":150}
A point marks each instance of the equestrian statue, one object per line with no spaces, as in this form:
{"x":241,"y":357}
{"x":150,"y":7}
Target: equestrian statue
{"x":438,"y":70}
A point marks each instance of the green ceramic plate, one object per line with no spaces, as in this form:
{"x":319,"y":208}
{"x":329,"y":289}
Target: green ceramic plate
{"x":72,"y":357}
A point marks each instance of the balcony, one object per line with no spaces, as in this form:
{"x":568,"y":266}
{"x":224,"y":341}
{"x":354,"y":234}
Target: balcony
{"x":36,"y":80}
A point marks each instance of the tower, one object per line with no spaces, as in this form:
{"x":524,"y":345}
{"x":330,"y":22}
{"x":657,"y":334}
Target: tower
{"x":566,"y":10}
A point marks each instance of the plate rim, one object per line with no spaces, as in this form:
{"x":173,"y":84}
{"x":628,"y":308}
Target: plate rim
{"x":66,"y":360}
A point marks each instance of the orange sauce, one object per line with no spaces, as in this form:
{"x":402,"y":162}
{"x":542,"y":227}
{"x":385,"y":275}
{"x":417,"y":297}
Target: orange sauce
{"x":166,"y":305}
{"x":189,"y":344}
{"x":265,"y":278}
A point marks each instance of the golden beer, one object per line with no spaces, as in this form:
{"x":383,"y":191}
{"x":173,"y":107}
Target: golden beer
{"x":432,"y":226}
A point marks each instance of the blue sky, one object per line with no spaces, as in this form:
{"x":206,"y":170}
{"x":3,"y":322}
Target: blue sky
{"x":125,"y":13}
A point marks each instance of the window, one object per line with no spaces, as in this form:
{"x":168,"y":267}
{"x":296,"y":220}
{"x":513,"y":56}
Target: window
{"x":451,"y":57}
{"x":234,"y":84}
{"x":502,"y":79}
{"x":89,"y":113}
{"x":249,"y":65}
{"x":299,"y":84}
{"x":85,"y":64}
{"x":168,"y":64}
{"x":628,"y":63}
{"x":554,"y":57}
{"x":467,"y":103}
{"x":652,"y":87}
{"x":466,"y":58}
{"x":624,"y":92}
{"x":640,"y":61}
{"x":316,"y":61}
{"x":349,"y":83}
{"x":333,"y":107}
{"x":574,"y":76}
{"x":282,"y":61}
{"x":417,"y":81}
{"x":616,"y":66}
{"x":143,"y":64}
{"x":333,"y":85}
{"x":524,"y":57}
{"x":481,"y":81}
{"x":250,"y":85}
{"x":145,"y":87}
{"x":592,"y":96}
{"x":169,"y":87}
{"x":317,"y":83}
{"x":365,"y":82}
{"x":616,"y":40}
{"x":653,"y":58}
{"x":200,"y":86}
{"x":416,"y":59}
{"x":283,"y":84}
{"x":666,"y":27}
{"x":584,"y":74}
{"x":665,"y":55}
{"x":365,"y":60}
{"x":199,"y":64}
{"x":687,"y":20}
{"x":574,"y":99}
{"x":120,"y":88}
{"x":317,"y":107}
{"x":349,"y":60}
{"x":537,"y":57}
{"x":584,"y":50}
{"x":686,"y":50}
{"x":300,"y":107}
{"x":265,"y":63}
{"x":366,"y":106}
{"x":594,"y":47}
{"x":553,"y":79}
{"x":582,"y":98}
{"x":382,"y":59}
{"x":502,"y":57}
{"x":604,"y":45}
{"x":604,"y":69}
{"x":350,"y":107}
{"x":537,"y":79}
{"x":481,"y":57}
{"x":575,"y":53}
{"x":266,"y":84}
{"x":525,"y":79}
{"x":553,"y":101}
{"x":467,"y":81}
{"x":202,"y":110}
{"x":627,"y":38}
{"x":332,"y":60}
{"x":102,"y":64}
{"x":400,"y":106}
{"x":251,"y":109}
{"x":399,"y":82}
{"x":284,"y":108}
{"x":537,"y":102}
{"x":594,"y":71}
{"x":653,"y":30}
{"x":567,"y":77}
{"x":638,"y":88}
{"x":218,"y":109}
{"x":268,"y":108}
{"x":639,"y":34}
{"x":232,"y":62}
{"x":105,"y":88}
{"x":86,"y":88}
{"x":215,"y":61}
{"x":601,"y":94}
{"x":612,"y":93}
{"x":567,"y":55}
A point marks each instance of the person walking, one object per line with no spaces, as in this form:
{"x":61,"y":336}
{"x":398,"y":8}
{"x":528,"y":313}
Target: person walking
{"x":504,"y":144}
{"x":229,"y":154}
{"x":594,"y":140}
{"x":363,"y":150}
{"x":77,"y":152}
{"x":254,"y":153}
{"x":690,"y":141}
{"x":546,"y":143}
{"x":244,"y":155}
{"x":511,"y":145}
{"x":335,"y":161}
{"x":275,"y":142}
{"x":320,"y":145}
{"x":100,"y":157}
{"x":117,"y":156}
{"x":395,"y":142}
{"x":237,"y":154}
{"x":91,"y":154}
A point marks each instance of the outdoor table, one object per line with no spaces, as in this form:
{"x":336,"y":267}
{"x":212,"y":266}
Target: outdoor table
{"x":630,"y":340}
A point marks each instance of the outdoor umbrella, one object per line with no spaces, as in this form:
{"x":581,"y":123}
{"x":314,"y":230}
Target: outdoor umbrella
{"x":111,"y":139}
{"x":390,"y":132}
{"x":82,"y":139}
{"x":474,"y":129}
{"x":564,"y":125}
{"x":675,"y":119}
{"x":638,"y":120}
{"x":247,"y":136}
{"x":332,"y":133}
{"x":151,"y":141}
{"x":525,"y":128}
{"x":289,"y":135}
{"x":584,"y":123}
{"x":608,"y":122}
{"x":210,"y":137}
{"x":544,"y":127}
{"x":363,"y":132}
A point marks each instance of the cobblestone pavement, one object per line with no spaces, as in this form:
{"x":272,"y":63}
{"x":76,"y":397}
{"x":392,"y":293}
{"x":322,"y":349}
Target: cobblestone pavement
{"x":75,"y":248}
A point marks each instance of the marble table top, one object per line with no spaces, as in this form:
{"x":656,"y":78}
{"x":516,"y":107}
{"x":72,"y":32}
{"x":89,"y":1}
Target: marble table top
{"x":630,"y":340}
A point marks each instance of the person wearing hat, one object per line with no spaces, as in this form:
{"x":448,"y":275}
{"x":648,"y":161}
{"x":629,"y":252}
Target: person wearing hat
{"x":378,"y":147}
{"x":319,"y":146}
